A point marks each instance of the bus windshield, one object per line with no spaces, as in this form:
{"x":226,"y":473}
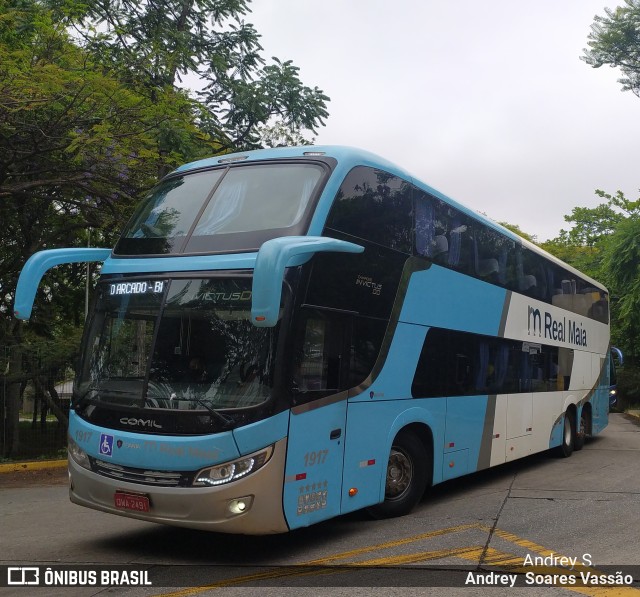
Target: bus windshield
{"x":235,"y":208}
{"x":179,"y":344}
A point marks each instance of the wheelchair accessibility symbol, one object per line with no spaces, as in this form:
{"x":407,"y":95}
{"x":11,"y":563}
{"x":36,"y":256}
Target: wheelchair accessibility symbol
{"x":106,"y":444}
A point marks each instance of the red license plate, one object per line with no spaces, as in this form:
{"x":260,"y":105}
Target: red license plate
{"x":131,"y":501}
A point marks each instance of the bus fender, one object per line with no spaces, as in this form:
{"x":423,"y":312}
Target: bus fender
{"x":420,"y":417}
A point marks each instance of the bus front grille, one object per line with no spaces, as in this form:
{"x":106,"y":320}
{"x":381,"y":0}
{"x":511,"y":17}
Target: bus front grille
{"x":142,"y":476}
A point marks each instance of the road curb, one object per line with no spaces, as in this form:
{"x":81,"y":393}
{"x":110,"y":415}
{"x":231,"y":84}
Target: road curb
{"x":634,"y":414}
{"x":38,"y":465}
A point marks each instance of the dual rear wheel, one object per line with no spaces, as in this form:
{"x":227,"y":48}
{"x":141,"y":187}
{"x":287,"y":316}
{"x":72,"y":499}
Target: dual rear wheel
{"x":572,"y":439}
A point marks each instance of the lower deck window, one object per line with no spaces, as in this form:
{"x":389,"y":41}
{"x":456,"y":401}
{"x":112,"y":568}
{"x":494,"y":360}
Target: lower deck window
{"x":454,"y":363}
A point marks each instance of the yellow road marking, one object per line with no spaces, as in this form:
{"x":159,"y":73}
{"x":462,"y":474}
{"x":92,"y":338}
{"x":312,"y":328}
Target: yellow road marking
{"x":479,"y":555}
{"x":316,"y":564}
{"x":390,"y":544}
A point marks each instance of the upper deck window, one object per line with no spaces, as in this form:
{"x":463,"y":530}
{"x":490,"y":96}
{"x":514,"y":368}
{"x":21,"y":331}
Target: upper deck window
{"x":376,"y":206}
{"x":236,"y":208}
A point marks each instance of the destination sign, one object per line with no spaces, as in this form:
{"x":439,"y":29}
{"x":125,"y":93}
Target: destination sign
{"x":139,"y":287}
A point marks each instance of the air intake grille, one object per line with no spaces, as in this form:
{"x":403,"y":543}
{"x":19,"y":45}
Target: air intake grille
{"x":142,"y":476}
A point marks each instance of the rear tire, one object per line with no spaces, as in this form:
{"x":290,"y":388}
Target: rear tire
{"x":581,"y":435}
{"x":568,"y":436}
{"x":408,"y":470}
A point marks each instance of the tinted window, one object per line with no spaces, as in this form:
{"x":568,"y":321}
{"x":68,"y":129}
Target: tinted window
{"x":365,"y":283}
{"x":454,"y":240}
{"x":255,"y":198}
{"x":167,"y":214}
{"x":197,"y":350}
{"x":374,"y":205}
{"x":443,"y":234}
{"x":333,"y":352}
{"x":318,"y":359}
{"x":236,"y":208}
{"x":366,"y":341}
{"x":494,"y":256}
{"x":456,"y":363}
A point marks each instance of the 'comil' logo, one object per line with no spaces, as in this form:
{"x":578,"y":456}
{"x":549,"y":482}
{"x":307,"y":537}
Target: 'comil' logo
{"x":534,"y":321}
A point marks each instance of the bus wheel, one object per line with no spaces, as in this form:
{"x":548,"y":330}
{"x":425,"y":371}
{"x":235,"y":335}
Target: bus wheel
{"x":407,"y":472}
{"x":581,"y":436}
{"x":568,"y":436}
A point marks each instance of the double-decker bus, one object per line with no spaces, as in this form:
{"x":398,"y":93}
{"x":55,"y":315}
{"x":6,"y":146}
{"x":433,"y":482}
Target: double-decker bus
{"x":282,"y":336}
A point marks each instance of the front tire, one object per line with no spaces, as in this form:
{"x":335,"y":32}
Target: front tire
{"x":408,"y":471}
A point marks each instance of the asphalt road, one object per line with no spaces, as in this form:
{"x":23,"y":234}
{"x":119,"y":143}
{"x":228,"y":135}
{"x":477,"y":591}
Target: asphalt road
{"x":584,"y":508}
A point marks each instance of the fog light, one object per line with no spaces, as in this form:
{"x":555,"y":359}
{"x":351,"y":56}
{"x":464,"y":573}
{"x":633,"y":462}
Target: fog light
{"x":239,"y":505}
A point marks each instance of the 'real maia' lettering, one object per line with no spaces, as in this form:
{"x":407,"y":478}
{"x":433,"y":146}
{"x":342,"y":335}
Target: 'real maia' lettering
{"x":560,"y":330}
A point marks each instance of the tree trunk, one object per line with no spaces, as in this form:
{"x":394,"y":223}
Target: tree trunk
{"x":51,"y":403}
{"x":12,"y":404}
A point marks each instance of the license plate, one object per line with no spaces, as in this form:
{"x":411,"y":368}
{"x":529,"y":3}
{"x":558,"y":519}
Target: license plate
{"x":131,"y":501}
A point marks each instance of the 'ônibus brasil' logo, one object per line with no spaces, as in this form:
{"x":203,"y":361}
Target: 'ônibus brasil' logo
{"x":564,"y":330}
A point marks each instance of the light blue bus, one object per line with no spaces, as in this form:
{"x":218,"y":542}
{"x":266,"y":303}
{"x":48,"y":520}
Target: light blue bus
{"x":283,"y":336}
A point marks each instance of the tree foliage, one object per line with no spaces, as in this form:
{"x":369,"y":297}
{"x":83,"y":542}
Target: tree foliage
{"x":75,"y":143}
{"x":91,"y":111}
{"x":603,"y":243}
{"x":206,"y":44}
{"x":94,"y":106}
{"x":517,"y":230}
{"x":622,"y":264}
{"x":615,"y":41}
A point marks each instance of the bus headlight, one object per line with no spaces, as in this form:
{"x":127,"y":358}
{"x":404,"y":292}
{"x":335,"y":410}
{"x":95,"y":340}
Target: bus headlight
{"x":233,"y":470}
{"x":78,"y":454}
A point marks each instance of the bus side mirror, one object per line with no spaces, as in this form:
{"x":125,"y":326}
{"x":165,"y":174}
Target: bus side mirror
{"x":274,"y":257}
{"x":41,"y":262}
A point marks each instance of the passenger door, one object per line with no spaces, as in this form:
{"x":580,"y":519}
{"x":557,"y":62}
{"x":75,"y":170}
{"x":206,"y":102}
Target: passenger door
{"x":315,"y":449}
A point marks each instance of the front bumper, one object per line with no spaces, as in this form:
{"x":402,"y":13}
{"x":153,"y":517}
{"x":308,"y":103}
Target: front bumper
{"x":205,"y":508}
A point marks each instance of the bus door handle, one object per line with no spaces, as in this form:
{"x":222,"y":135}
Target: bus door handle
{"x":335,"y":434}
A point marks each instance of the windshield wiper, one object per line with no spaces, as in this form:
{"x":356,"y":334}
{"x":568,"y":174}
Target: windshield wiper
{"x":220,"y":417}
{"x":94,"y":392}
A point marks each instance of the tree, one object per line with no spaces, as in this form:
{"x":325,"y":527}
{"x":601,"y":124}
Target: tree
{"x":156,"y":46}
{"x":615,"y":41}
{"x":603,"y":244}
{"x":622,"y":264}
{"x":516,"y":229}
{"x":75,"y":146}
{"x":584,"y":244}
{"x":92,"y":110}
{"x":75,"y":143}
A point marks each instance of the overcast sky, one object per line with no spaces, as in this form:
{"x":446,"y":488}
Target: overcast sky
{"x":488,"y":102}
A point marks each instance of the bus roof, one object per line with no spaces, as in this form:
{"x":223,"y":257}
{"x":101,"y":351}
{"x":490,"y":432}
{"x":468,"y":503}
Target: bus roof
{"x":348,"y":158}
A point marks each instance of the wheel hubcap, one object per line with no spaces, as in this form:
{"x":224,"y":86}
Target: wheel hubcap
{"x":567,"y":431}
{"x":399,"y":474}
